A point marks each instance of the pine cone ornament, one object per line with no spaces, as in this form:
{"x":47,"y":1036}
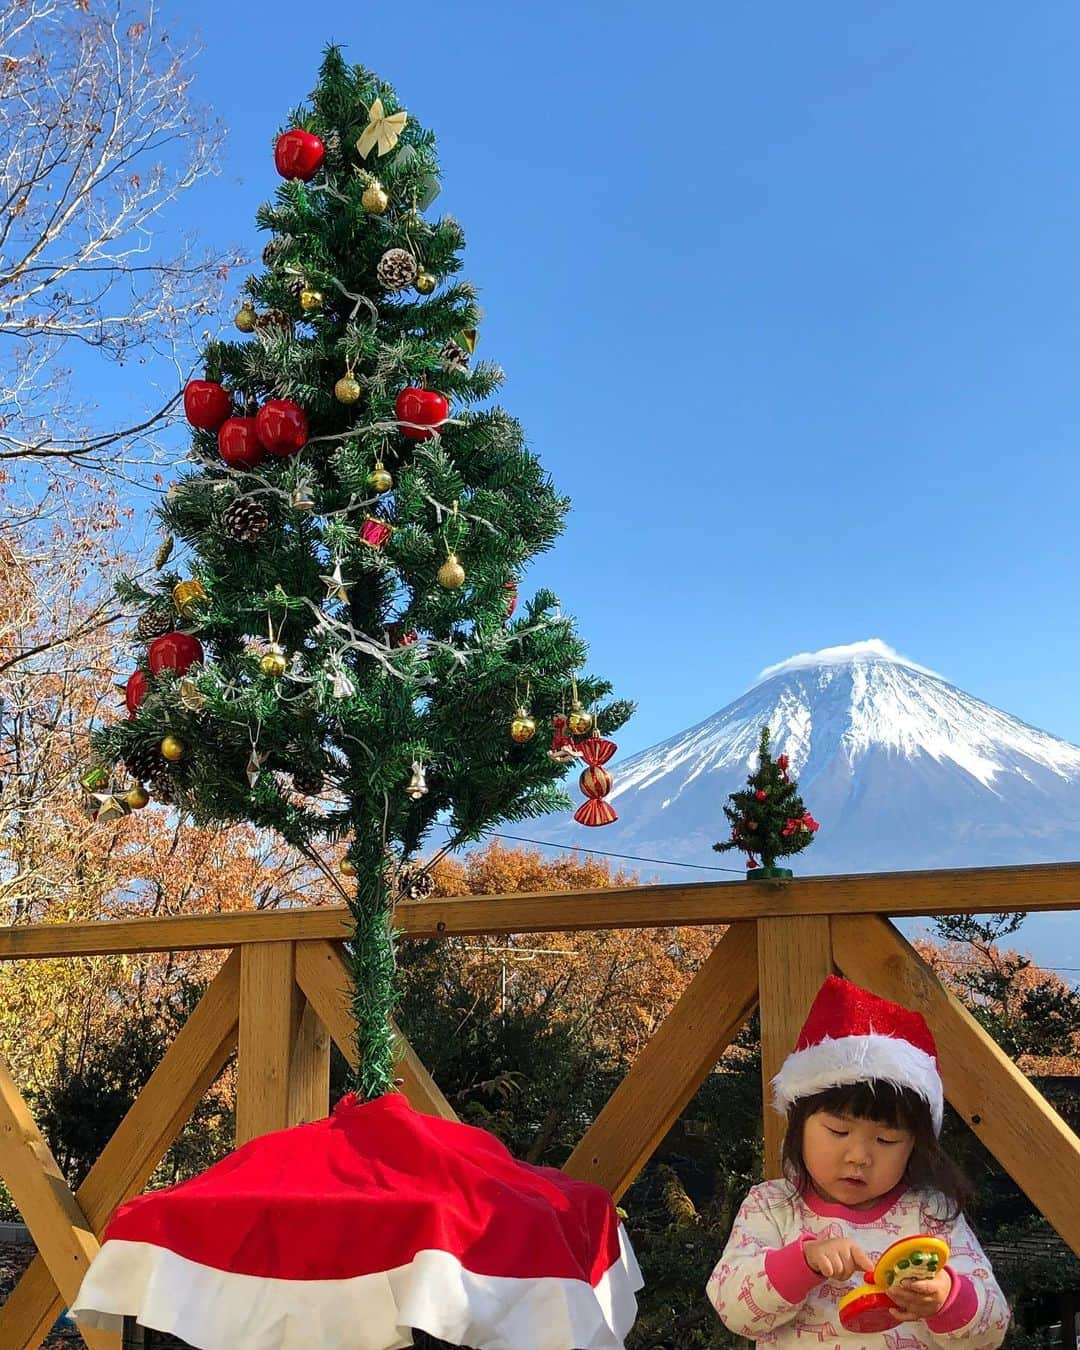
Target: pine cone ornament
{"x":332,"y":143}
{"x":143,"y":762}
{"x":416,"y":883}
{"x":308,"y":781}
{"x":155,"y":621}
{"x":273,"y":318}
{"x":274,"y":249}
{"x":454,"y":356}
{"x":161,"y":787}
{"x":397,"y":270}
{"x":245,"y":520}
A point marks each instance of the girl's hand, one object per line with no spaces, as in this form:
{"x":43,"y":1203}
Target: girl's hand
{"x":918,"y":1300}
{"x":835,"y":1257}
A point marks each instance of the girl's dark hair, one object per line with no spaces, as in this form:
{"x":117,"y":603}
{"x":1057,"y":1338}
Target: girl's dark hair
{"x":929,"y":1168}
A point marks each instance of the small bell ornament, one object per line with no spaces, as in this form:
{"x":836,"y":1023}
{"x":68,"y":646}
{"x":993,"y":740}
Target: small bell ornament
{"x":375,"y":198}
{"x":274,"y":662}
{"x":173,"y":748}
{"x":347,"y":389}
{"x":595,"y":782}
{"x":380,"y":479}
{"x":523,"y":727}
{"x":451,"y":574}
{"x":579,"y":721}
{"x":417,"y":785}
{"x":302,"y":499}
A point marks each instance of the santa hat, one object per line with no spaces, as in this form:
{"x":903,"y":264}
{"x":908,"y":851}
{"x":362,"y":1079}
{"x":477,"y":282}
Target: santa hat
{"x":347,"y":1232}
{"x":852,"y":1036}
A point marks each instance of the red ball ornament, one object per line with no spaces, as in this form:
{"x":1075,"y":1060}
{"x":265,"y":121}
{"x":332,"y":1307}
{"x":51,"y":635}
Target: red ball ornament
{"x":206,"y":404}
{"x":760,"y":795}
{"x":281,"y":427}
{"x":238,"y":443}
{"x":298,"y":154}
{"x":175,"y":651}
{"x":135,"y":691}
{"x":424,"y":408}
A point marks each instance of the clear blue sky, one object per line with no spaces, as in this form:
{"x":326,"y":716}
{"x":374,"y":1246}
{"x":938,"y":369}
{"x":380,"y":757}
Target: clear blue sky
{"x":788,"y":299}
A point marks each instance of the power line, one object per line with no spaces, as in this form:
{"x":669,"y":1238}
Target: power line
{"x":602,"y":853}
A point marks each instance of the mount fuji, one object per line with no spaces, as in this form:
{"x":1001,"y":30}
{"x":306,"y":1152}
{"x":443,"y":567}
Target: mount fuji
{"x":903,"y":770}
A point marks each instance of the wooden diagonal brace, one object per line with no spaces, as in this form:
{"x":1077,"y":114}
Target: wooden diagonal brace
{"x":672,"y":1066}
{"x":187,"y":1069}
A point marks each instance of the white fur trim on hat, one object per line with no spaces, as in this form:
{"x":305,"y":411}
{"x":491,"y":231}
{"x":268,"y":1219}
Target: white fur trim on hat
{"x":858,"y":1059}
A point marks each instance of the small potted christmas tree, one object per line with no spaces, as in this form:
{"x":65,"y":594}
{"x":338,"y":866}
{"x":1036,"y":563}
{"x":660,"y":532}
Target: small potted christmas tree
{"x":768,"y":817}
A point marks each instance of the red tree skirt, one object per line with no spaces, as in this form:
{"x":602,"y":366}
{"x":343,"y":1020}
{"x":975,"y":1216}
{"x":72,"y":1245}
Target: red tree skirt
{"x":342,"y":1234}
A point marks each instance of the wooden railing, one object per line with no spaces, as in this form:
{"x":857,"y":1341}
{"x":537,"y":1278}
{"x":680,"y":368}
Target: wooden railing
{"x":280,"y":999}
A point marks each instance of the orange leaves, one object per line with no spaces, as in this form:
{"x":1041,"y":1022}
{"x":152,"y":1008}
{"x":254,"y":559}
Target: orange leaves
{"x":619,"y":983}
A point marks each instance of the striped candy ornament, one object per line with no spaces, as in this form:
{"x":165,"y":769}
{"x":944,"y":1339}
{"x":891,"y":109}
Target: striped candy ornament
{"x":595,"y":782}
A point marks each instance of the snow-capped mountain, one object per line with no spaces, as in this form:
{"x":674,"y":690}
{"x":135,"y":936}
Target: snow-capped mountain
{"x":902,"y":769}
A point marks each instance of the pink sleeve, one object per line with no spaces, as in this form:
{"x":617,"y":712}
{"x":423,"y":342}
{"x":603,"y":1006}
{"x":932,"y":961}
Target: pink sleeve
{"x":788,"y":1272}
{"x":959,"y":1308}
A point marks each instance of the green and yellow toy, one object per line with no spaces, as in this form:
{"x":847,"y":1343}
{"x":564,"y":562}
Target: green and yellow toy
{"x":868,"y":1307}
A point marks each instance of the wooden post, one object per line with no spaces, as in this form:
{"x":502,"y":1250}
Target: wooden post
{"x":794,"y":959}
{"x":309,"y":1076}
{"x":271,"y":1014}
{"x":322,"y":975}
{"x":1015,"y":1122}
{"x":672,"y":1066}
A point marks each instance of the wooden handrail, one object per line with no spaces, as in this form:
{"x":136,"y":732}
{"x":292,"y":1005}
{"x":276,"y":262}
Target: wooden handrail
{"x":977,"y":890}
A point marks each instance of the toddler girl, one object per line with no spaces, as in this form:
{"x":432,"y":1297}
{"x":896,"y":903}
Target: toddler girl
{"x":864,"y":1103}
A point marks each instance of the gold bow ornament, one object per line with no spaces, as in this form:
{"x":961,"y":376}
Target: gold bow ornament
{"x":382,"y":130}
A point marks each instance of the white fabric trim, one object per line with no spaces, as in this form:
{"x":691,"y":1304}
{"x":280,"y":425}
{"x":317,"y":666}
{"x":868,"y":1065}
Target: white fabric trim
{"x":219,"y":1310}
{"x":834,"y":1062}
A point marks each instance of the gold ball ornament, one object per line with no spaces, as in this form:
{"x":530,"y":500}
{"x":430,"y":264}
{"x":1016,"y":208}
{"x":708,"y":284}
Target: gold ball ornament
{"x":375,"y":199}
{"x":523,"y":727}
{"x":380,"y":479}
{"x":245,"y":318}
{"x":579,"y":721}
{"x":425,"y":283}
{"x":172,"y":747}
{"x":274,"y":662}
{"x":310,"y":300}
{"x":188,"y":596}
{"x":346,"y":868}
{"x":451,"y":574}
{"x":347,"y":389}
{"x":136,"y":797}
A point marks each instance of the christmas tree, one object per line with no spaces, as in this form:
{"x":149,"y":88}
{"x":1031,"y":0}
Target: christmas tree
{"x":768,"y":817}
{"x":341,"y":657}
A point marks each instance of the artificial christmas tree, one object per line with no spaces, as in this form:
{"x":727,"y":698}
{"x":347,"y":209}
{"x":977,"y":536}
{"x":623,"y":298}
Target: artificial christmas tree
{"x":768,"y":817}
{"x":339,"y":511}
